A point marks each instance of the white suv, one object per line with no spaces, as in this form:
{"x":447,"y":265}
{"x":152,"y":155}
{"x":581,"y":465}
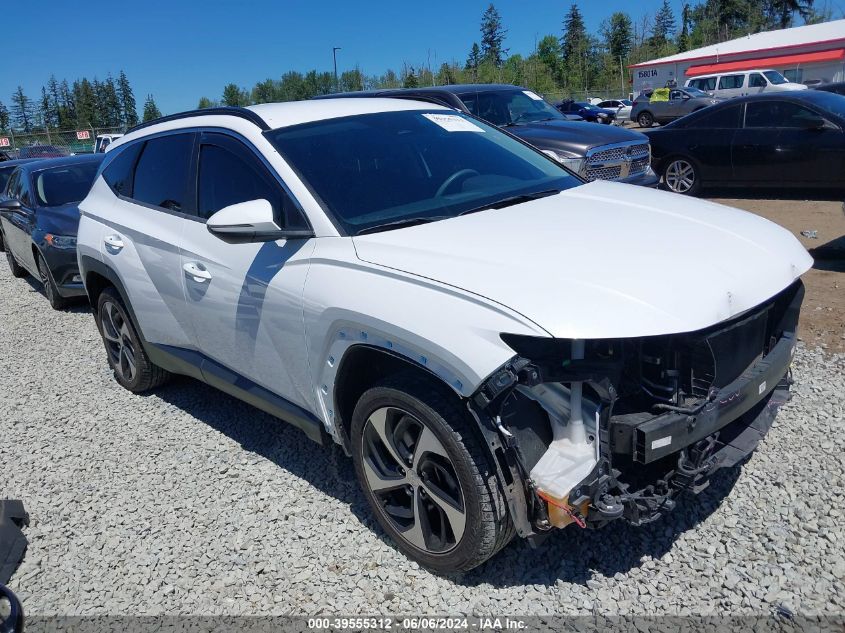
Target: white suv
{"x":500,"y":347}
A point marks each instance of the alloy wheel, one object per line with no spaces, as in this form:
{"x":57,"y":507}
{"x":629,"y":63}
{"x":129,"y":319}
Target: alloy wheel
{"x":119,"y":343}
{"x":680,"y":176}
{"x":413,"y":479}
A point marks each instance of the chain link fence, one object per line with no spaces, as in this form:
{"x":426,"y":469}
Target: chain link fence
{"x":50,"y":143}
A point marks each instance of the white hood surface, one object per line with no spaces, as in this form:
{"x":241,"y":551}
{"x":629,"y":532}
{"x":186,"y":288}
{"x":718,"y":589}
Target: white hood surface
{"x":603,"y":260}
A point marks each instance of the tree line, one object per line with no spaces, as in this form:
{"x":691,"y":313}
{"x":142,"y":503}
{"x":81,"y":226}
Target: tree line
{"x":83,"y":104}
{"x":571,"y":61}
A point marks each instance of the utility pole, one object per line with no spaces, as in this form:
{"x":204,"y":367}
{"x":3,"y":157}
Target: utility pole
{"x":334,"y":56}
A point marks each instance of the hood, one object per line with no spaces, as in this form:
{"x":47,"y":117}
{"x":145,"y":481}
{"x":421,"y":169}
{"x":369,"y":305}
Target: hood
{"x":789,"y":86}
{"x":603,"y":260}
{"x":63,"y":220}
{"x":572,"y":136}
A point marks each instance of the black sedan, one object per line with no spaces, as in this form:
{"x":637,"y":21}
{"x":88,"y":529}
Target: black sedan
{"x":779,"y":139}
{"x":39,"y":218}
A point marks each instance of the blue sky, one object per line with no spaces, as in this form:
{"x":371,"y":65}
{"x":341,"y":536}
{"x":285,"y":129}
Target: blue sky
{"x":180,"y":50}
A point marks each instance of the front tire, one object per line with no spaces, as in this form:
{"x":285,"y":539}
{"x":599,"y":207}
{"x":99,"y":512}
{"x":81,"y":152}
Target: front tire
{"x":425,"y":475}
{"x":17,"y":270}
{"x":645,"y":119}
{"x":682,"y":176}
{"x":133,"y":369}
{"x":51,"y":291}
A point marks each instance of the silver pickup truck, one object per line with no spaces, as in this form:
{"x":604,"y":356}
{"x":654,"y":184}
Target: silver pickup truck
{"x":652,"y":107}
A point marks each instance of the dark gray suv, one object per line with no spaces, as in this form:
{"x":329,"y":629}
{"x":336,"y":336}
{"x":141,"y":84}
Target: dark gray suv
{"x":593,"y":152}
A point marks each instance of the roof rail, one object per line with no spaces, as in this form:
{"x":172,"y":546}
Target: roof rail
{"x":243,"y":113}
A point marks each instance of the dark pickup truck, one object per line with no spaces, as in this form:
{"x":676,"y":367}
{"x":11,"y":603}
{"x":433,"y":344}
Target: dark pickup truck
{"x":594,"y":152}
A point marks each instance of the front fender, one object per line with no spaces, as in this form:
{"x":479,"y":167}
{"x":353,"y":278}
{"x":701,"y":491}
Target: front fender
{"x":452,"y":333}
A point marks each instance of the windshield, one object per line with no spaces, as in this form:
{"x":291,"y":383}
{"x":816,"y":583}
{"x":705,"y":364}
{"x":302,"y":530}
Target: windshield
{"x":695,"y":92}
{"x":414,"y":166}
{"x":510,"y":107}
{"x":830,"y":101}
{"x":775,"y":77}
{"x":64,"y":185}
{"x":586,"y":106}
{"x":627,"y":102}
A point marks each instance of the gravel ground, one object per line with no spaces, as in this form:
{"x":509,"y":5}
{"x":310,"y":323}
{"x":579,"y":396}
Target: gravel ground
{"x":190,"y":502}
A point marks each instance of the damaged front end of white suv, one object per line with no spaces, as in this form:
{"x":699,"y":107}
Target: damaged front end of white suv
{"x":588,"y":432}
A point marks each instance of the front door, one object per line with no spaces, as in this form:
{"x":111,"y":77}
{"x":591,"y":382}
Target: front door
{"x":18,"y":224}
{"x":245,"y":300}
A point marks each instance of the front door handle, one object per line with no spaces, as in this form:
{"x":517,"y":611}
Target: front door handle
{"x":113,"y":243}
{"x":197,"y":272}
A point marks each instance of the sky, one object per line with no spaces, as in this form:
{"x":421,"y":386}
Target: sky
{"x":180,"y":50}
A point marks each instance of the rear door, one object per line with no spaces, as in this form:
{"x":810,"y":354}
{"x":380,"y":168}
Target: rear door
{"x":709,"y":137}
{"x":245,"y":300}
{"x":141,"y":232}
{"x":776,"y":146}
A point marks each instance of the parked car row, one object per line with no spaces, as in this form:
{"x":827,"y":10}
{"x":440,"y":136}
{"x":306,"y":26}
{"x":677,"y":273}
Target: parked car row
{"x":502,"y":347}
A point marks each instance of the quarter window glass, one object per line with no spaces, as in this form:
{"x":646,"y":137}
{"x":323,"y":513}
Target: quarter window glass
{"x":225,"y":179}
{"x":729,"y":82}
{"x":120,"y":170}
{"x":722,"y":118}
{"x":782,"y":114}
{"x":757,"y":81}
{"x":7,"y":176}
{"x":162,"y":172}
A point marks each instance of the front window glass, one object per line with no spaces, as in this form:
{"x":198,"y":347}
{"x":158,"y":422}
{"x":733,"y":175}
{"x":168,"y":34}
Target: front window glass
{"x":64,"y":185}
{"x":775,"y":77}
{"x":512,"y":107}
{"x":378,"y":170}
{"x":5,"y":174}
{"x":756,"y":80}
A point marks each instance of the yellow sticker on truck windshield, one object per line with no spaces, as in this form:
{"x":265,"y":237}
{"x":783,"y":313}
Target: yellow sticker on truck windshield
{"x":453,"y":122}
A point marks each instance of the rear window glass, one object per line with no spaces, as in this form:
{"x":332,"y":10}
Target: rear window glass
{"x":720,"y":118}
{"x":161,"y":176}
{"x":64,"y":185}
{"x":704,"y":83}
{"x":119,"y":173}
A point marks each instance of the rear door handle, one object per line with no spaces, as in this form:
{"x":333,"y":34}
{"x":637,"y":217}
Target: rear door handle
{"x":113,"y":243}
{"x":197,"y":272}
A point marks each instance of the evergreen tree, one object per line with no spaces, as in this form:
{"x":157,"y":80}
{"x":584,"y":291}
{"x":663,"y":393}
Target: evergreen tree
{"x":204,"y":103}
{"x":474,"y":58}
{"x":111,"y":103}
{"x":151,"y":110}
{"x":684,"y":36}
{"x":493,"y":37}
{"x":86,"y":103}
{"x":664,"y":25}
{"x":67,"y":106}
{"x":574,"y":44}
{"x":447,"y":75}
{"x":618,"y":36}
{"x":22,"y":110}
{"x":128,"y":107}
{"x":5,"y":119}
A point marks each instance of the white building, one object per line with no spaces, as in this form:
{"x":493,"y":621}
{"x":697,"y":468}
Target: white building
{"x":802,"y":54}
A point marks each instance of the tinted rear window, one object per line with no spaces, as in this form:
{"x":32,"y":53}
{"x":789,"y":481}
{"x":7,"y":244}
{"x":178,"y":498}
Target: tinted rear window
{"x":121,"y":169}
{"x":64,"y":185}
{"x":161,"y":176}
{"x":720,"y":118}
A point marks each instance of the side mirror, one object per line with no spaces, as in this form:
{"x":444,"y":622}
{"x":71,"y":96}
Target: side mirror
{"x":10,"y":205}
{"x":250,"y":221}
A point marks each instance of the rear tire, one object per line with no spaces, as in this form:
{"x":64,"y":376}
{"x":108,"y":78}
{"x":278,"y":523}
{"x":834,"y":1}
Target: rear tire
{"x":17,"y":270}
{"x":414,"y":450}
{"x":133,"y":369}
{"x":51,"y":291}
{"x":645,"y":119}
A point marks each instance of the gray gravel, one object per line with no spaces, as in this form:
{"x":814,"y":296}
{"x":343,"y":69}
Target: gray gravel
{"x":188,"y":501}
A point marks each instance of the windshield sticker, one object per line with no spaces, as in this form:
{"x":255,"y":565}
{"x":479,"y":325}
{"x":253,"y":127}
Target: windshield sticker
{"x":532,"y":95}
{"x":453,"y":123}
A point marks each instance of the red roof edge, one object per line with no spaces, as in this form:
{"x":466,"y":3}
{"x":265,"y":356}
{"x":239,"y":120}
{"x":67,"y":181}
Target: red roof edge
{"x":766,"y":62}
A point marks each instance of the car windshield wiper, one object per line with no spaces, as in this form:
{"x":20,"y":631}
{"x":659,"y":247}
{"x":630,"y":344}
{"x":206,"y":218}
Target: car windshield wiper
{"x":512,"y":200}
{"x":398,"y":224}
